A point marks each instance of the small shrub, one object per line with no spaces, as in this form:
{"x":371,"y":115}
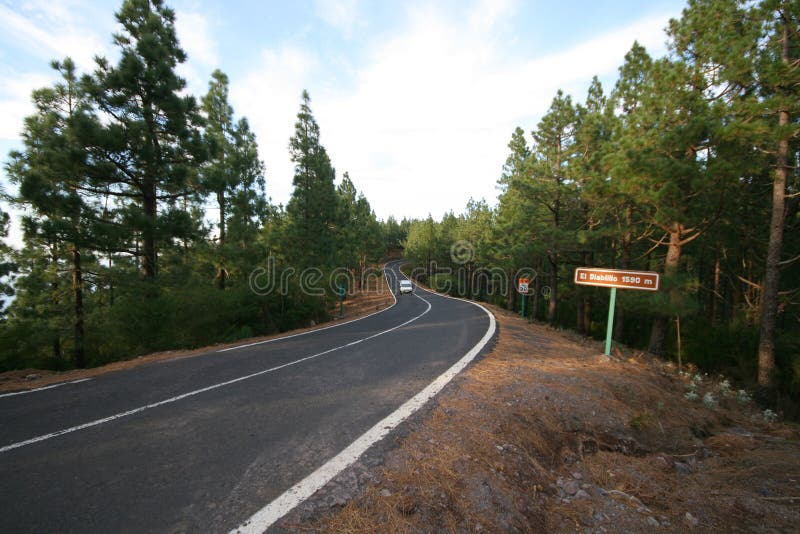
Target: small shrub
{"x":743,"y":397}
{"x":640,"y":420}
{"x":769,"y":416}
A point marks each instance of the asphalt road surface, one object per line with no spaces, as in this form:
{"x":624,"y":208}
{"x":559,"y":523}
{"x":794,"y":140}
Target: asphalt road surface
{"x":201,"y":444}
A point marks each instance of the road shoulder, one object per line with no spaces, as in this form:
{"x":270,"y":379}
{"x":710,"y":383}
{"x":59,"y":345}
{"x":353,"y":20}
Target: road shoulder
{"x":547,"y":434}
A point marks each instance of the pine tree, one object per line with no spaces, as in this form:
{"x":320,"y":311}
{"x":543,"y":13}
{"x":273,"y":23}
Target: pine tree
{"x":233,"y":174}
{"x":475,"y":230}
{"x":311,"y":211}
{"x":392,"y":234}
{"x":516,"y":164}
{"x":7,"y":266}
{"x":347,"y":223}
{"x":513,"y":242}
{"x":551,"y":186}
{"x":422,"y":244}
{"x":751,"y":51}
{"x":52,"y":177}
{"x":594,"y":124}
{"x":663,"y":164}
{"x":147,"y":146}
{"x":249,"y":205}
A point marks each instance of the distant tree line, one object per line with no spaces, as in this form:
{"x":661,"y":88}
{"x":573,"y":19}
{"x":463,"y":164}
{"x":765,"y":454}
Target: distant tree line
{"x":689,"y":167}
{"x":118,"y":170}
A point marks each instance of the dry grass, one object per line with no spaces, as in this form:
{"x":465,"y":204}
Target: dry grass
{"x":373,"y":297}
{"x":547,"y":434}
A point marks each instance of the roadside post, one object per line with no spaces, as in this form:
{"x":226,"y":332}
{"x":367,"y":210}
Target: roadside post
{"x":523,"y":288}
{"x":616,"y":279}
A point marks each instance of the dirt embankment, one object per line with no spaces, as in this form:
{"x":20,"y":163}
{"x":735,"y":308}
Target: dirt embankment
{"x":545,"y":434}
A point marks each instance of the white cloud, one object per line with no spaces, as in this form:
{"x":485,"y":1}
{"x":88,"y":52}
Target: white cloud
{"x":15,"y":101}
{"x":486,"y":14}
{"x":196,"y":37}
{"x":340,"y":14}
{"x":46,"y":30}
{"x":430,"y":109}
{"x":58,"y":28}
{"x":433,"y":109}
{"x":269,"y":96}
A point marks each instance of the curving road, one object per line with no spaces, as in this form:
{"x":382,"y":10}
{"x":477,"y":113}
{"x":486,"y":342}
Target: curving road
{"x":229,"y":439}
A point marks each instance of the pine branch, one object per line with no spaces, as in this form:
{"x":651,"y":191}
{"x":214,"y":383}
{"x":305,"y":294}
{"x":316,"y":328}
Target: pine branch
{"x":108,"y":192}
{"x":748,"y":282}
{"x":786,"y":263}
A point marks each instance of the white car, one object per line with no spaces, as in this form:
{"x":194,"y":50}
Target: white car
{"x":406,"y":286}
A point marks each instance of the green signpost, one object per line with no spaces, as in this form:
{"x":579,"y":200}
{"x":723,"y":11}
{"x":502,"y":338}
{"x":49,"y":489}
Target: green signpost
{"x":523,"y":288}
{"x":616,"y":279}
{"x":610,"y":327}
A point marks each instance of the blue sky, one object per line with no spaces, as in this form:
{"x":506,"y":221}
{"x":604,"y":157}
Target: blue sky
{"x":415,"y":99}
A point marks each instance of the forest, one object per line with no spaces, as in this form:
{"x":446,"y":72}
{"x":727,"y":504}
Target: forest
{"x":118,"y":178}
{"x":688,"y":167}
{"x":146,"y":209}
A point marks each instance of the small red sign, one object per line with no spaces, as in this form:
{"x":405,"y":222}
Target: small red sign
{"x":524,"y":286}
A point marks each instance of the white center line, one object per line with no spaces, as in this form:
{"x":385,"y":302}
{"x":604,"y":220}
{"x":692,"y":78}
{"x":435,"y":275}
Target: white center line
{"x":170,"y":400}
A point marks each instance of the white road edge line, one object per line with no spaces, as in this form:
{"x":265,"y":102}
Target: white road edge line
{"x":388,"y":285}
{"x":25,"y":392}
{"x":170,"y":400}
{"x":267,"y":516}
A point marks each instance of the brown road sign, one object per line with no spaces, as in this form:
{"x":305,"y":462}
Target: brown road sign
{"x":644,"y":280}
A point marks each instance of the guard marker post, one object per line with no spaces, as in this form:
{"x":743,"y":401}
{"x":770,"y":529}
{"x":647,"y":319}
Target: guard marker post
{"x":615,"y":278}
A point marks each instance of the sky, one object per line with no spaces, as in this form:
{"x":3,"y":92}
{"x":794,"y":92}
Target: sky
{"x":416,"y":100}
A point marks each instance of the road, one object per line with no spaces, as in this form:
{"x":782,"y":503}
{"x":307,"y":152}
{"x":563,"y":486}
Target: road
{"x":201,"y":444}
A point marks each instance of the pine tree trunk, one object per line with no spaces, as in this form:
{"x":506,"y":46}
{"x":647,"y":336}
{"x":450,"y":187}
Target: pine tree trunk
{"x":627,"y":238}
{"x":222,"y":274}
{"x":149,"y":260}
{"x":551,"y":310}
{"x":537,"y":289}
{"x":110,"y":285}
{"x":583,"y":308}
{"x":185,"y":239}
{"x":54,"y":300}
{"x":78,"y":354}
{"x":715,"y":297}
{"x":657,"y":335}
{"x":468,"y":281}
{"x":769,"y":298}
{"x":661,"y":323}
{"x":553,"y":257}
{"x":512,"y":292}
{"x":587,"y":314}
